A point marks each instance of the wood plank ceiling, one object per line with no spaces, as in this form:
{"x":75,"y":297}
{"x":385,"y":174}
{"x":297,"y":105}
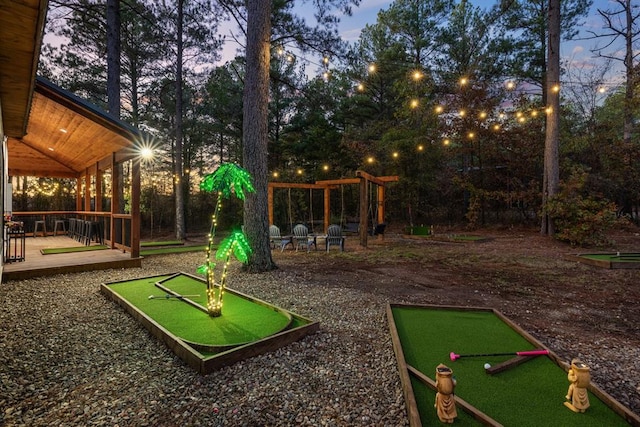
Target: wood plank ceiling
{"x":67,"y":135}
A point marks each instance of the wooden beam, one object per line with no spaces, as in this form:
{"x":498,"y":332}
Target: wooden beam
{"x":270,"y":203}
{"x":135,"y":208}
{"x":515,"y":361}
{"x":295,"y":185}
{"x":364,"y":203}
{"x":327,"y":208}
{"x":380,"y":218}
{"x":87,"y":191}
{"x":79,"y":193}
{"x":98,"y":189}
{"x":115,"y":197}
{"x":344,"y":181}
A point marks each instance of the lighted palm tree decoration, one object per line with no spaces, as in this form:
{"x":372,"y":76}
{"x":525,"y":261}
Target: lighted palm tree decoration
{"x":227,"y":179}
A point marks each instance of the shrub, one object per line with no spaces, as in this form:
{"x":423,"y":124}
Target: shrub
{"x":579,"y":218}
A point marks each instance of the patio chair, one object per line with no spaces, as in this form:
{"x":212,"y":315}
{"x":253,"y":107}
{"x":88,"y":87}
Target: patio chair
{"x":334,"y":237}
{"x":276,"y":240}
{"x":302,"y":238}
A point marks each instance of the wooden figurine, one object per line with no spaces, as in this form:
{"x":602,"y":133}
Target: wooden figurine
{"x":579,"y":377}
{"x":445,"y":403}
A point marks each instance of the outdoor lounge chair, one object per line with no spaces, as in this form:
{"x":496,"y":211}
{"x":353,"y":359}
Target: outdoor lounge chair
{"x":276,"y":240}
{"x":301,"y":237}
{"x":334,"y":237}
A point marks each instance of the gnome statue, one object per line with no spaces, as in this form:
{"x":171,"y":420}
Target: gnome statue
{"x":445,"y":403}
{"x":579,"y":377}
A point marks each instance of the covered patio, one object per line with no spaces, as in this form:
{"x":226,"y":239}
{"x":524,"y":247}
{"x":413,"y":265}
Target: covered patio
{"x":47,"y":132}
{"x":70,"y":138}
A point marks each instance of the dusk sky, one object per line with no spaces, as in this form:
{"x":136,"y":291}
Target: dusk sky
{"x":366,"y":13}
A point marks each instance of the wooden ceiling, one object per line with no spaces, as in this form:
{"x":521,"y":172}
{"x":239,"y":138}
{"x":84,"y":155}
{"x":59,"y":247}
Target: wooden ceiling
{"x":67,"y":135}
{"x":21,"y":29}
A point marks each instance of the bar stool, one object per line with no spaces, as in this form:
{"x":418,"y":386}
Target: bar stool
{"x":72,"y":227}
{"x":43,"y":228}
{"x":94,"y":231}
{"x":80,"y":230}
{"x":62,"y":224}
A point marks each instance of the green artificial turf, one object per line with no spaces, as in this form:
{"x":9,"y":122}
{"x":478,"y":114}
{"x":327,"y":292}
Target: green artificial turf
{"x":531,"y":394}
{"x":51,"y":251}
{"x":162,"y":243}
{"x":173,"y":250}
{"x":623,"y":257}
{"x":242,"y":320}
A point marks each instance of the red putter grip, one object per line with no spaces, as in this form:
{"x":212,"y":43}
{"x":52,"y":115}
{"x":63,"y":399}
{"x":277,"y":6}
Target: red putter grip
{"x":453,"y":356}
{"x":533,"y":353}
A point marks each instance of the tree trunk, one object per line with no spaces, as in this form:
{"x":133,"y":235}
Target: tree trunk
{"x":628,"y":62}
{"x":177,"y":172}
{"x":551,"y":176}
{"x":255,"y":133}
{"x":113,"y":57}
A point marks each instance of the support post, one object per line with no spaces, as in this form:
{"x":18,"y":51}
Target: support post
{"x":364,"y":203}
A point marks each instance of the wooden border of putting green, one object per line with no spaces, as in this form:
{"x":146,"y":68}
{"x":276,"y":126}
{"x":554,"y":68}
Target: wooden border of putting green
{"x":466,"y":238}
{"x":406,"y":371}
{"x":206,"y":364}
{"x":603,"y":263}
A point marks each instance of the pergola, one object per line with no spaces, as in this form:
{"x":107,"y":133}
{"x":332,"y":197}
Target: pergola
{"x":363,"y":179}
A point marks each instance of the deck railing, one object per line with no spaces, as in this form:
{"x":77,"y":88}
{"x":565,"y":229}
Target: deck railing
{"x":116,"y":227}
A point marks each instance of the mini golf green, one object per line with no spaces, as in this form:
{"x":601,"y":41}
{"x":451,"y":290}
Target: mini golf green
{"x":161,"y":243}
{"x":172,"y":250}
{"x":51,"y":251}
{"x":247,"y":326}
{"x":530,"y":394}
{"x":625,"y":260}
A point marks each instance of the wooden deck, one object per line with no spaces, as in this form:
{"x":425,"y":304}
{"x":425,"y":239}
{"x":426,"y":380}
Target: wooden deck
{"x":36,"y":264}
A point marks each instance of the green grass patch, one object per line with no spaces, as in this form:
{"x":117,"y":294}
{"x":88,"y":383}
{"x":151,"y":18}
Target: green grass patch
{"x":623,"y":257}
{"x":51,"y":251}
{"x":161,"y":243}
{"x":173,"y":250}
{"x":242,"y":320}
{"x":531,"y":394}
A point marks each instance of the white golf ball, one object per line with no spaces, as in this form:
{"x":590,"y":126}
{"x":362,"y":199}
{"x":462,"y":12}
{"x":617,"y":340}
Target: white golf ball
{"x":487,"y":366}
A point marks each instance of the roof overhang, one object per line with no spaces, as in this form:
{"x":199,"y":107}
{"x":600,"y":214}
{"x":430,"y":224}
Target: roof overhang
{"x":21,"y":31}
{"x":66,"y":136}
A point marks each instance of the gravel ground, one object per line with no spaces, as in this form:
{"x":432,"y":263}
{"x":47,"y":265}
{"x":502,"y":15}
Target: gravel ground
{"x":70,"y":357}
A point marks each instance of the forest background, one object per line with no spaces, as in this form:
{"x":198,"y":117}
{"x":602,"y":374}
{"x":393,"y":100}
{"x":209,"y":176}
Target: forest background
{"x":446,"y":95}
